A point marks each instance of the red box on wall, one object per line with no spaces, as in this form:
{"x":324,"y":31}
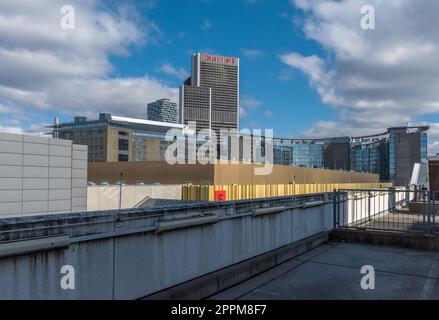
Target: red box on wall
{"x":220,"y":196}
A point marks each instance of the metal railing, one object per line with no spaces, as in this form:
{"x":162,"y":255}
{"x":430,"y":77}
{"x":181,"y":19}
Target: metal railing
{"x":393,"y":209}
{"x":141,"y":219}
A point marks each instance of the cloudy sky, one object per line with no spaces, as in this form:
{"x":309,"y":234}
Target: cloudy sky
{"x":308,"y":69}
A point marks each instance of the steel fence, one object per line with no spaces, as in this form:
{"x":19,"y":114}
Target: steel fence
{"x":393,"y":209}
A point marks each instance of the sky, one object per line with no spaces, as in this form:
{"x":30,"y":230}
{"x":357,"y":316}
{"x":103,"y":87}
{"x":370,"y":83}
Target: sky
{"x":308,"y":69}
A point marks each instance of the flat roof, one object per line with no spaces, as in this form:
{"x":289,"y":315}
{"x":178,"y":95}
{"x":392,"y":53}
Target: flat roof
{"x":148,"y":122}
{"x":333,"y":271}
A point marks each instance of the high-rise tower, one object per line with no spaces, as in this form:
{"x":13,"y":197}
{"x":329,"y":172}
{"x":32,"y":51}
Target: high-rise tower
{"x":211,"y":95}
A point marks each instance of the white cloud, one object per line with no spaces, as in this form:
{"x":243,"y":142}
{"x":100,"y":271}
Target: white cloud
{"x":250,"y":102}
{"x":169,"y":69}
{"x":247,"y":104}
{"x":373,"y":78}
{"x":252,"y":53}
{"x":46,"y":68}
{"x":242,"y":112}
{"x":207,"y":25}
{"x":268,"y":113}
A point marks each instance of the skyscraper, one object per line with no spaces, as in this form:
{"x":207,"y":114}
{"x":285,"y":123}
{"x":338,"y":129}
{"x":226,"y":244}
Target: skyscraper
{"x":162,"y":110}
{"x":211,"y":95}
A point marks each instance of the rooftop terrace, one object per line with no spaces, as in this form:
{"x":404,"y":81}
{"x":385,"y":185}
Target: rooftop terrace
{"x":332,"y":271}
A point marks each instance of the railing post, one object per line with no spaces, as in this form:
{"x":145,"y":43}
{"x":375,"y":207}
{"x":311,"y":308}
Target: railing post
{"x":433,"y":193}
{"x":392,"y":200}
{"x":334,"y":210}
{"x":369,"y":195}
{"x":423,"y":211}
{"x":429,"y":211}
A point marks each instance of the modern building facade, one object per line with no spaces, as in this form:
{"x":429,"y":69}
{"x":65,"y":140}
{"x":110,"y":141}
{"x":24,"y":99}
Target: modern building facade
{"x":406,"y":146}
{"x":118,"y":139}
{"x":40,"y":175}
{"x":210,"y":97}
{"x":162,"y":110}
{"x":337,"y":153}
{"x":433,"y":172}
{"x":299,"y":152}
{"x":392,"y":154}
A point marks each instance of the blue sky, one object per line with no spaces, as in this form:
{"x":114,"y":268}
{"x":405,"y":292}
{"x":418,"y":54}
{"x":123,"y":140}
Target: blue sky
{"x":273,"y":95}
{"x":308,"y":68}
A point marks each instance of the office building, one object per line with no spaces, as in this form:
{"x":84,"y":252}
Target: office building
{"x":112,"y":139}
{"x":392,"y":154}
{"x":337,"y":153}
{"x":162,"y":110}
{"x":406,"y":146}
{"x":40,"y":175}
{"x":308,"y":153}
{"x":369,"y":154}
{"x":210,"y":97}
{"x":433,"y":172}
{"x":299,"y":152}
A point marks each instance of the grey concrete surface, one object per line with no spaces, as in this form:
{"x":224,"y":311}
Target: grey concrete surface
{"x":119,"y":254}
{"x":333,"y":271}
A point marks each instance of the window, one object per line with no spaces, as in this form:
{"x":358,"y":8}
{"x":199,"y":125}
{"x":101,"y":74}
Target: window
{"x":123,"y":145}
{"x":123,"y":157}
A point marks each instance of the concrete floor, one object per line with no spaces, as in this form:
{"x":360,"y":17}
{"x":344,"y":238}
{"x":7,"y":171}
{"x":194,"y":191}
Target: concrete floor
{"x":402,"y":220}
{"x":332,"y":271}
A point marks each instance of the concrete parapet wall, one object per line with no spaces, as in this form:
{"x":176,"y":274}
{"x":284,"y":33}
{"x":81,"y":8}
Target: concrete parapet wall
{"x":406,"y":240}
{"x":130,"y":254}
{"x":356,"y":206}
{"x":208,"y":285}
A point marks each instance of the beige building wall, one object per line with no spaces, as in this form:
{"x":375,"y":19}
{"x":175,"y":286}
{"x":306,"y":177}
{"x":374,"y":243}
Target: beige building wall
{"x":111,"y":143}
{"x":222,"y":174}
{"x":244,"y":174}
{"x":150,"y":172}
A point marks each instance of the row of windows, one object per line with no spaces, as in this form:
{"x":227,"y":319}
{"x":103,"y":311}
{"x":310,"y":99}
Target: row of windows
{"x":89,"y":141}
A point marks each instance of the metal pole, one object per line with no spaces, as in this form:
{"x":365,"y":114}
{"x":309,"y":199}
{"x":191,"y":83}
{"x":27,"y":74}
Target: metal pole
{"x":434,"y":210}
{"x":120,"y":191}
{"x":368,"y":204}
{"x":334,"y":196}
{"x":429,"y":211}
{"x":423,"y":210}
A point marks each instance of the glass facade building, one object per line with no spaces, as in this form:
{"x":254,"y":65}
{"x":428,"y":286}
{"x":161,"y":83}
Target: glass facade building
{"x":308,"y":153}
{"x":424,"y":148}
{"x":299,"y":152}
{"x":366,"y":156}
{"x":392,"y":155}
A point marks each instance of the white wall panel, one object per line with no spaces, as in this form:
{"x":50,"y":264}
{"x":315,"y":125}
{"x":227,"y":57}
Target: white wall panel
{"x":37,"y":174}
{"x":11,"y":171}
{"x":11,"y":159}
{"x":35,"y":160}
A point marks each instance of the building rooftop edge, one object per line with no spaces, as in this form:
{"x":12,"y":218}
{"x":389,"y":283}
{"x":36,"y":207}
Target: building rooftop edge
{"x":148,"y":122}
